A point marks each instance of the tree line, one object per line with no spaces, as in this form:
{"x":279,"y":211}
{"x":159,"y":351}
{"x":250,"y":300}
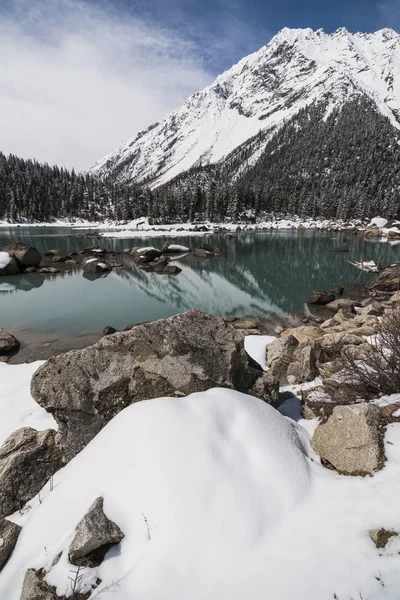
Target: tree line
{"x":342,"y":164}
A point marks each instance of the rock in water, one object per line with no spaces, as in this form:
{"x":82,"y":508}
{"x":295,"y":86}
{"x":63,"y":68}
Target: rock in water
{"x":172,"y":246}
{"x":320,"y":297}
{"x":26,"y":256}
{"x":191,"y":352}
{"x":350,"y":440}
{"x":28,"y":458}
{"x":94,"y":536}
{"x":95,"y":265}
{"x":9,"y":533}
{"x":8,"y":342}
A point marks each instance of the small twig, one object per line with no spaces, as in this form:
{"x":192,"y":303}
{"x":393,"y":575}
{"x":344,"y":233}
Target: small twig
{"x":147,"y":525}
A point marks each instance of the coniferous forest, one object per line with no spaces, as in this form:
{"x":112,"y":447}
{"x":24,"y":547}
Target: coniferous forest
{"x":341,"y":166}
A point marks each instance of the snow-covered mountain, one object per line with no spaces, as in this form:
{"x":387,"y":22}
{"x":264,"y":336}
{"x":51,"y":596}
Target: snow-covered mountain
{"x":261,"y":93}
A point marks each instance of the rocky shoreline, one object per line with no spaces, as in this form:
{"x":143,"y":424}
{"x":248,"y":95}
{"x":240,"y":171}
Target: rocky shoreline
{"x":192,"y":352}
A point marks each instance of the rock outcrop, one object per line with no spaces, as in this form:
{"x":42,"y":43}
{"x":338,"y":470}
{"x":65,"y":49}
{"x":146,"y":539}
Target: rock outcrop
{"x":94,"y":536}
{"x":350,"y":440}
{"x":9,"y":534}
{"x":190,"y":352}
{"x":28,"y":458}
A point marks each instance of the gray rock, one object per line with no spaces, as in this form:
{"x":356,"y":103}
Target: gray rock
{"x":26,"y":256}
{"x":280,"y":355}
{"x":35,"y":587}
{"x":108,"y":330}
{"x":267,"y":388}
{"x":320,"y":297}
{"x":304,"y":365}
{"x":191,"y":352}
{"x":380,"y":537}
{"x":28,"y":458}
{"x":351,"y":441}
{"x":9,"y":533}
{"x":94,"y":536}
{"x":8,"y":343}
{"x":95,"y":265}
{"x":11,"y":269}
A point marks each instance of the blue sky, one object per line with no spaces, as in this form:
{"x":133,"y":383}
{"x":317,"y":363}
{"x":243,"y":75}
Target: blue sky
{"x":78,"y":77}
{"x":243,"y":26}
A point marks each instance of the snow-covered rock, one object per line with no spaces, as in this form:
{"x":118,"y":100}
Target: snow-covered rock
{"x":260,"y":93}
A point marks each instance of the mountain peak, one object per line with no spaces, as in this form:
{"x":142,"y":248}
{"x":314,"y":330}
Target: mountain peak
{"x":296,"y":68}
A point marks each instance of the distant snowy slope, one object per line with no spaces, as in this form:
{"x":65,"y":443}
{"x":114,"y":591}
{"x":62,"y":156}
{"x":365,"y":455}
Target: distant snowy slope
{"x":260,"y":93}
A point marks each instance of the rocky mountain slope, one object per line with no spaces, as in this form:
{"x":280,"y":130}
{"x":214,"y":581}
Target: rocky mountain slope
{"x":256,"y":97}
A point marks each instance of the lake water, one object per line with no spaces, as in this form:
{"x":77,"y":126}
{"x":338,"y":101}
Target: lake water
{"x":260,"y":274}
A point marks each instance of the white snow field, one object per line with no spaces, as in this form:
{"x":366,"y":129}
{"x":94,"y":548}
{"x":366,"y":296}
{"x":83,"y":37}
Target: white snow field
{"x":237,"y":504}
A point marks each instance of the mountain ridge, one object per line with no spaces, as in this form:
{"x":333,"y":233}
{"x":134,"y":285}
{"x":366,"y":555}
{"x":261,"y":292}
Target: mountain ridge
{"x":259,"y":94}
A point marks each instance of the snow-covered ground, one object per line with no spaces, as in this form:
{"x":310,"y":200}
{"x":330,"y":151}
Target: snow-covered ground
{"x":17,"y":408}
{"x":237,"y":504}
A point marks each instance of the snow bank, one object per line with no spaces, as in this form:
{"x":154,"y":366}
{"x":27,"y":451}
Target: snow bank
{"x":256,"y":347}
{"x":17,"y":407}
{"x":214,"y":474}
{"x":238,"y":508}
{"x":5,"y":260}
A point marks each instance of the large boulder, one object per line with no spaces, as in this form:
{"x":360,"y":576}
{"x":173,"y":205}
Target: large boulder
{"x":351,"y":440}
{"x":26,"y":256}
{"x":9,"y":534}
{"x":191,"y":352}
{"x":8,"y":264}
{"x":8,"y":343}
{"x":28,"y":459}
{"x":94,"y":536}
{"x":320,"y":297}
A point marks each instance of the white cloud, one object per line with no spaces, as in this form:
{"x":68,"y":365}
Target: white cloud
{"x":76,"y":81}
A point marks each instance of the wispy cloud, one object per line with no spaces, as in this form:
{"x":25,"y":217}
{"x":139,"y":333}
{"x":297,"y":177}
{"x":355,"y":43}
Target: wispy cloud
{"x":76,"y":80}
